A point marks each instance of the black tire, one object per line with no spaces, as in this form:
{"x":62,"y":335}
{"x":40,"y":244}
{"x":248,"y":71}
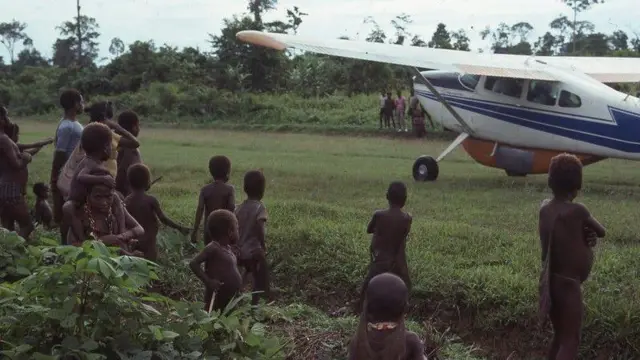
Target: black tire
{"x":425,"y":168}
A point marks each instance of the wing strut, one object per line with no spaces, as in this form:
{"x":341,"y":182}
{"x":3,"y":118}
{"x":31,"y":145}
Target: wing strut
{"x":444,"y":102}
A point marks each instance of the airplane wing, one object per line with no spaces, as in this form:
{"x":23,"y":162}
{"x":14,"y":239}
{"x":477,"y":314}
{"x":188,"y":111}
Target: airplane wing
{"x":605,"y":69}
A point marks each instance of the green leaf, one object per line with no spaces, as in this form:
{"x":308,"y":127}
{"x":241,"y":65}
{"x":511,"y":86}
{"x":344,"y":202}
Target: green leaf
{"x":95,"y":356}
{"x":252,"y":340}
{"x":70,"y":342}
{"x":169,"y":335}
{"x":21,"y":270}
{"x":69,"y":321}
{"x":40,"y":356}
{"x":89,"y":345}
{"x":258,"y":329}
{"x":105,"y":268}
{"x":21,"y":349}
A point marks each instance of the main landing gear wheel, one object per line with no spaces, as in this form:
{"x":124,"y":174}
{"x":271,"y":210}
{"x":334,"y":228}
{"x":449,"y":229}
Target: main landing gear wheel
{"x":425,"y":168}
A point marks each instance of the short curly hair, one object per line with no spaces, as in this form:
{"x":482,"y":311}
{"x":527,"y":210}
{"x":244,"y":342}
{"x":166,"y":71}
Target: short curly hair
{"x":139,"y":176}
{"x":69,"y":98}
{"x":40,"y":189}
{"x":220,"y":167}
{"x":100,"y":111}
{"x":128,"y":119}
{"x":95,"y":138}
{"x":397,"y":193}
{"x":565,"y":174}
{"x":219,"y":222}
{"x":254,"y":184}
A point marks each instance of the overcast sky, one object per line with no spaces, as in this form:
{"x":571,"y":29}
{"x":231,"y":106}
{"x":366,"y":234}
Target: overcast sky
{"x":187,"y":22}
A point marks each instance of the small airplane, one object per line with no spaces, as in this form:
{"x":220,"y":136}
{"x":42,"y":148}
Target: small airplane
{"x":512,"y":112}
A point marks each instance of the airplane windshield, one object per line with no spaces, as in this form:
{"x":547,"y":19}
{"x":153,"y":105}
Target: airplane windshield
{"x":569,"y":100}
{"x":469,"y":81}
{"x":543,"y":92}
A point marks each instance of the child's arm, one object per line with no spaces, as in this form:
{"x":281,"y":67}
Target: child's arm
{"x":231,"y":201}
{"x":127,"y":140}
{"x":206,"y":254}
{"x":262,"y":231}
{"x":76,"y":230}
{"x":35,"y":145}
{"x":85,"y":178}
{"x":164,"y":219}
{"x":199,"y":212}
{"x":15,"y":159}
{"x":591,"y":222}
{"x":135,"y":230}
{"x":372,"y":223}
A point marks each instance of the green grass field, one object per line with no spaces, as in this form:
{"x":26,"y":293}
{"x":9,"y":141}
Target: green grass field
{"x":473,"y":250}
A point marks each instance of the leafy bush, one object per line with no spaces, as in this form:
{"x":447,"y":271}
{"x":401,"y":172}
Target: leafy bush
{"x":87,"y":303}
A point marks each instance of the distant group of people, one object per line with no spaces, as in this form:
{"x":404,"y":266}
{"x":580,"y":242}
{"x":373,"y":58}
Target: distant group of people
{"x":101,"y":188}
{"x":393,"y":113}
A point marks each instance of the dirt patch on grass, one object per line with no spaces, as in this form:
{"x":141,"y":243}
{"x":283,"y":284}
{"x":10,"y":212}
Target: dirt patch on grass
{"x":522,"y":340}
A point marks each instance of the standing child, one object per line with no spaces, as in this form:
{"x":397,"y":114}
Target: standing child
{"x":566,"y":231}
{"x":127,"y":156}
{"x":96,"y":142}
{"x":216,"y":195}
{"x":146,"y":210}
{"x":67,"y":137}
{"x":381,"y":332}
{"x":221,"y":275}
{"x":42,"y":213}
{"x":252,"y":218}
{"x":390,"y":228}
{"x":389,"y":106}
{"x":400,"y":109}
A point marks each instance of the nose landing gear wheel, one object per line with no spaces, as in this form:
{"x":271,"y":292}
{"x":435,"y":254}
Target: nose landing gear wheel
{"x":425,"y":168}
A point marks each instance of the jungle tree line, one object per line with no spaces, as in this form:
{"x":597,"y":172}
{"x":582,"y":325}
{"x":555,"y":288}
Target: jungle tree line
{"x":236,"y":67}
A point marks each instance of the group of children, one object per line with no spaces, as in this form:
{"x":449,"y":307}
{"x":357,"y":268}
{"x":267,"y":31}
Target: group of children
{"x":123,"y":214}
{"x":394,"y":111}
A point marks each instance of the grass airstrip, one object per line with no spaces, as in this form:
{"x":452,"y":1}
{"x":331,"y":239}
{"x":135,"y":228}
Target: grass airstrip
{"x":473,"y":251}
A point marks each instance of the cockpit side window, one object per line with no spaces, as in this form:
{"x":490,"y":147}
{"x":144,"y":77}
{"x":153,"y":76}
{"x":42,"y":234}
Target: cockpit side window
{"x":505,"y":86}
{"x":543,"y":92}
{"x":569,"y":100}
{"x":469,"y":81}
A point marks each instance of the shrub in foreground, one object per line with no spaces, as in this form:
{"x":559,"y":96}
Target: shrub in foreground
{"x":88,"y":303}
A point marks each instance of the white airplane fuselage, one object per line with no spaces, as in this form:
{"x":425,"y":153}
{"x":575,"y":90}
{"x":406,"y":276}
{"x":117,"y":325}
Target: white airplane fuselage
{"x":591,"y":118}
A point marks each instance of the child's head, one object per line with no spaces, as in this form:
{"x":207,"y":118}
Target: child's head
{"x":399,"y":93}
{"x":386,"y":298}
{"x":220,"y":167}
{"x":565,"y":176}
{"x":397,"y":194}
{"x":100,"y":196}
{"x":71,"y":101}
{"x":129,"y":121}
{"x":96,"y":141}
{"x":223,"y":225}
{"x":254,"y":184}
{"x":41,"y":190}
{"x":139,"y":177}
{"x":100,"y":111}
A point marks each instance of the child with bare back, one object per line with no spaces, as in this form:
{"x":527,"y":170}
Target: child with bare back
{"x":216,"y":195}
{"x":146,"y":210}
{"x":127,"y":156}
{"x":221,"y":275}
{"x":381,"y":332}
{"x":390,"y":228}
{"x":103,"y":217}
{"x":567,"y":233}
{"x":252,"y":217}
{"x":96,"y":143}
{"x":42,"y":213}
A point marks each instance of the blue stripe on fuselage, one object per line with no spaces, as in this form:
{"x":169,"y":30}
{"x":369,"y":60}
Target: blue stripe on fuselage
{"x":622,"y":135}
